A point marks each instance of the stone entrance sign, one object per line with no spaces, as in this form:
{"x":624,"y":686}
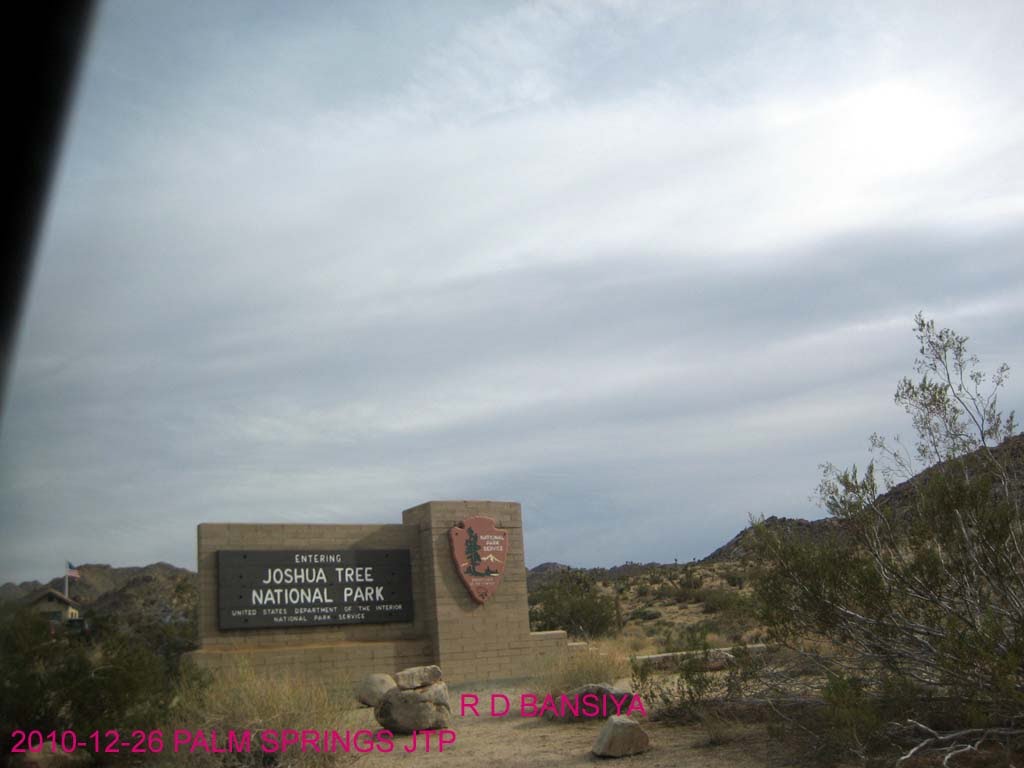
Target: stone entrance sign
{"x":479,"y":549}
{"x":276,"y":588}
{"x":407,"y":605}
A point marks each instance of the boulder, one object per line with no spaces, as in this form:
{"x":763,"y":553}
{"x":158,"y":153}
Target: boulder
{"x":373,"y":688}
{"x":415,"y":709}
{"x":436,"y":693}
{"x":417,"y":677}
{"x":621,"y":736}
{"x":599,"y":689}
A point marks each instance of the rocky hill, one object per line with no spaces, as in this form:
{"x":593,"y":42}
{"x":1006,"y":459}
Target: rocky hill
{"x":11,"y":592}
{"x":740,"y":547}
{"x":1009,"y":453}
{"x":543,"y":573}
{"x":159,"y":591}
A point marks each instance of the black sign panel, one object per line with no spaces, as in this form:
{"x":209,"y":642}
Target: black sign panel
{"x":289,"y":588}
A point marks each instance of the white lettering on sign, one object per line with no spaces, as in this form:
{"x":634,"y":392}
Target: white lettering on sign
{"x":316,"y":557}
{"x":295,"y":576}
{"x":358,"y":575}
{"x":363,"y":593}
{"x":295,"y":595}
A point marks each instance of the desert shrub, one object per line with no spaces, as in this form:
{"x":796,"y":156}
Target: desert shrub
{"x":690,"y":579}
{"x":925,"y":588}
{"x":853,"y":717}
{"x":572,"y":601}
{"x":720,"y":630}
{"x":687,"y":637}
{"x":168,"y":633}
{"x":734,"y":579}
{"x":55,"y":680}
{"x":684,"y":595}
{"x":665,"y":591}
{"x":568,"y":671}
{"x":679,"y":696}
{"x":697,"y":690}
{"x":752,"y":636}
{"x":720,"y":600}
{"x":644,"y":614}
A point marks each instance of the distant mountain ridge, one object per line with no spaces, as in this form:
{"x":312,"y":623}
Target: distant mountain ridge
{"x":1009,"y":453}
{"x":105,"y":586}
{"x":165,"y":591}
{"x":740,"y":546}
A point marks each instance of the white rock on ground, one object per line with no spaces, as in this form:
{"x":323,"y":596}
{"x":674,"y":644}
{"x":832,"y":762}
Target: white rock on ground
{"x":417,"y":677}
{"x":621,"y":736}
{"x":373,"y":688}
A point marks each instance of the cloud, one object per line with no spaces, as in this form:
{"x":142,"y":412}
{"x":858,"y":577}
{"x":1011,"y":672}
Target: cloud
{"x":607,"y":259}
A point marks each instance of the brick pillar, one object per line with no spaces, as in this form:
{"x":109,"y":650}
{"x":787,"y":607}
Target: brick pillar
{"x":473,"y":642}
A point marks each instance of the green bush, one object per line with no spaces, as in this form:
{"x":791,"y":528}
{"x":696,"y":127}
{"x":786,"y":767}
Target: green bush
{"x":690,"y":580}
{"x":53,"y":680}
{"x":681,"y":696}
{"x":665,"y":592}
{"x":572,"y":601}
{"x":924,"y":584}
{"x":734,"y":579}
{"x":720,"y":600}
{"x":683,"y":638}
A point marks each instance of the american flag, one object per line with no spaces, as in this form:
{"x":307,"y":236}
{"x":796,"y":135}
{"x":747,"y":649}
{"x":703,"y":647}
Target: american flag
{"x":72,"y":571}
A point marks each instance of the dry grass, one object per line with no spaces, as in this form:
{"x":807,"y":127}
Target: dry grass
{"x":240,"y":699}
{"x":636,"y":643}
{"x":601,"y":663}
{"x":621,"y":647}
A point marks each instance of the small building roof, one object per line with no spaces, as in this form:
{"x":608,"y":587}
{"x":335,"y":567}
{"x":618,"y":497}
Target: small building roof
{"x":51,"y":593}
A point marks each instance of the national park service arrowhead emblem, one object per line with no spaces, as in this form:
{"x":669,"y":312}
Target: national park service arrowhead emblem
{"x":479,"y":549}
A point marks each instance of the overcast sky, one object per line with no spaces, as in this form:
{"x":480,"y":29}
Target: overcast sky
{"x":638,"y":266}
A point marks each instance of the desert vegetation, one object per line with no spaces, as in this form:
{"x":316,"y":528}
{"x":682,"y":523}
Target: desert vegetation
{"x":604,"y":662}
{"x":124,"y":679}
{"x":59,"y":680}
{"x":238,"y":699}
{"x":661,"y":609}
{"x":913,"y":619}
{"x":894,"y":626}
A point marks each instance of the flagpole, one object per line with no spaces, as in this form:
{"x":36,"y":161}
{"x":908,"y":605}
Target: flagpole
{"x":66,"y":582}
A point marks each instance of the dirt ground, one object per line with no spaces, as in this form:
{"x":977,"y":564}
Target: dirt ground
{"x":529,"y":742}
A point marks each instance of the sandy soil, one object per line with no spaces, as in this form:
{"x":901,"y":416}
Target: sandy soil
{"x":518,"y":742}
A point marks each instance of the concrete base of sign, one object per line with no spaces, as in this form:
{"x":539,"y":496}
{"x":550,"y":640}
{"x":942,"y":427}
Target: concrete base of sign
{"x":469,"y":641}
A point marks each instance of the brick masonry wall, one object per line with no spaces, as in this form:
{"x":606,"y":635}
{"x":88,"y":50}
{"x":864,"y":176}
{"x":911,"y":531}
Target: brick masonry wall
{"x":473,"y":642}
{"x":470,"y":642}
